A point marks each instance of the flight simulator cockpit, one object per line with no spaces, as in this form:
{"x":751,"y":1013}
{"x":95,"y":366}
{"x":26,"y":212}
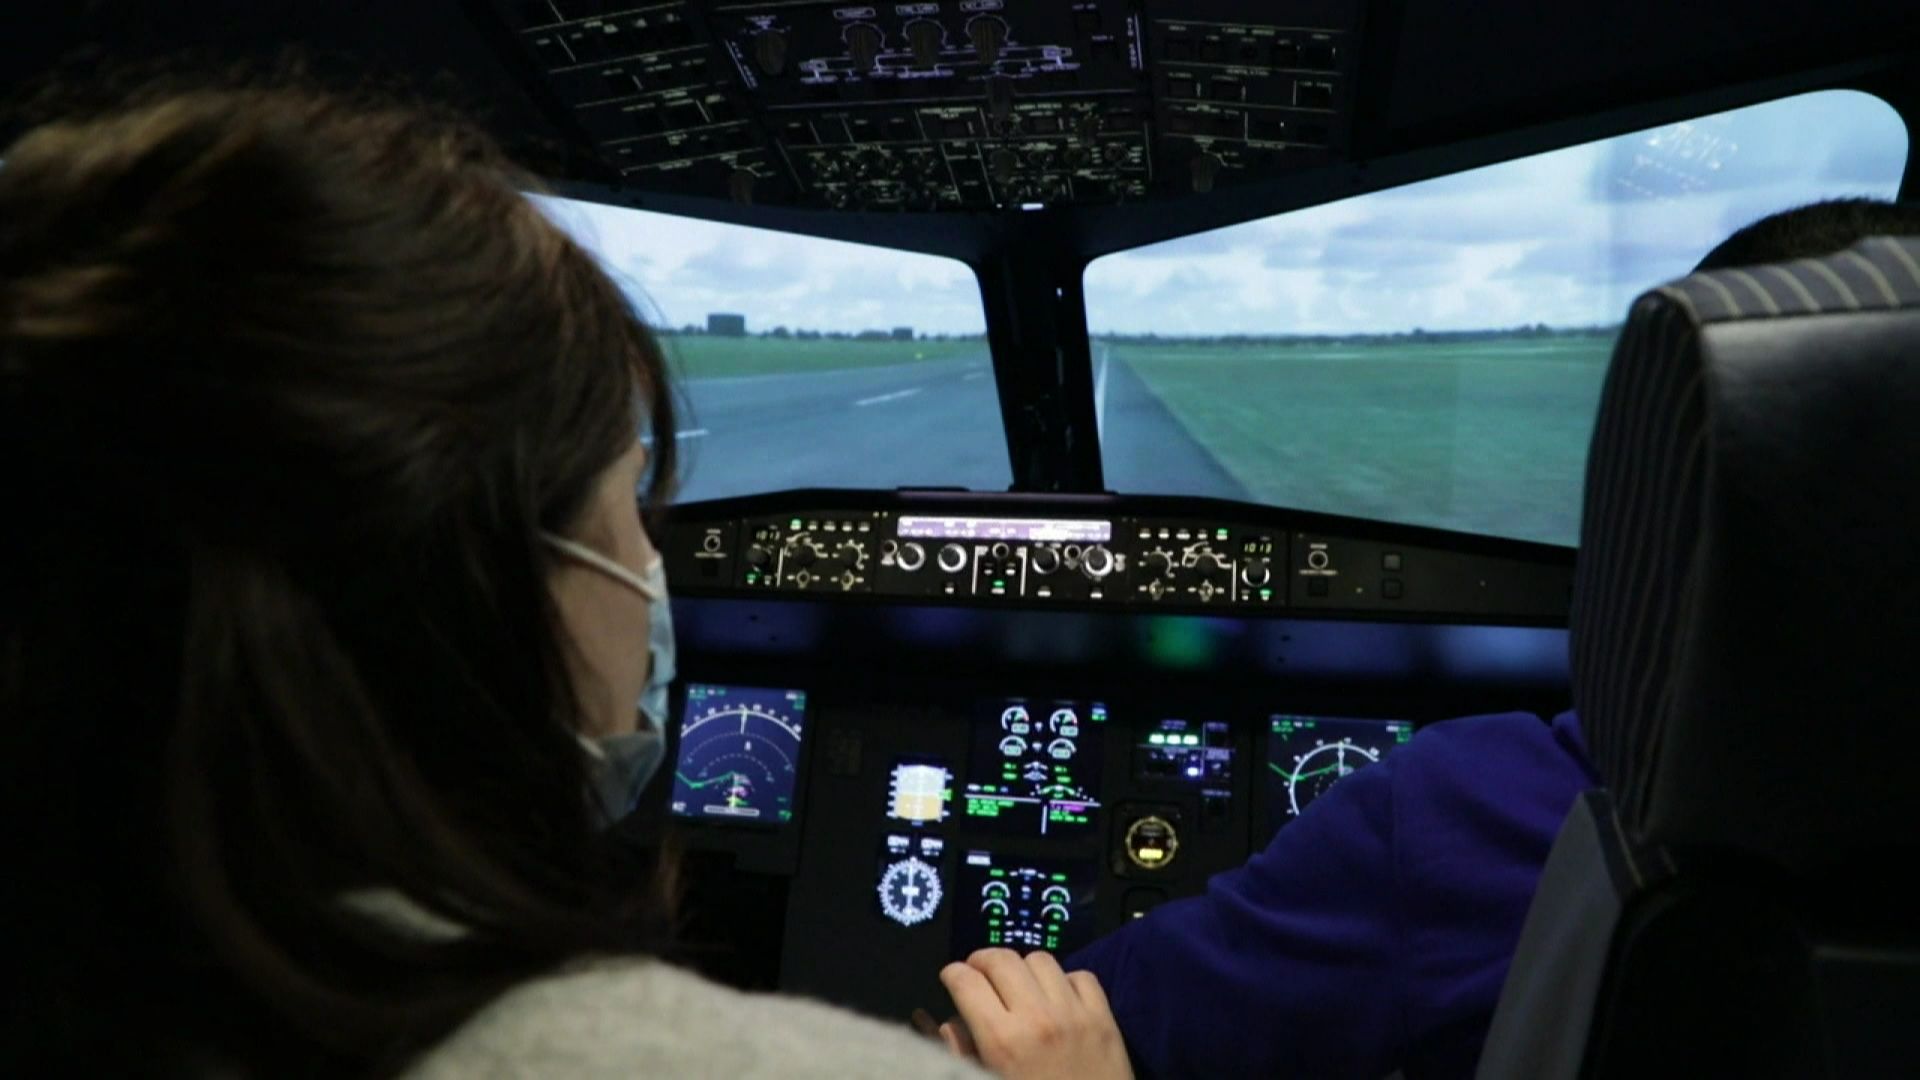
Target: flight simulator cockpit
{"x":1090,"y":458}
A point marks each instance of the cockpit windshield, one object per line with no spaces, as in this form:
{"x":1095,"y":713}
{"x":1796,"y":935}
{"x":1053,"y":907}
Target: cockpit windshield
{"x":808,"y":362}
{"x":1433,"y":354}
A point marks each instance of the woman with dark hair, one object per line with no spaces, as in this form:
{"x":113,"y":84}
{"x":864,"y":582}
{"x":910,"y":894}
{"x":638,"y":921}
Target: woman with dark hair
{"x":326,"y":608}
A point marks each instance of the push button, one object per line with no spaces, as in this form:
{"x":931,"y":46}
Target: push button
{"x":1392,"y":588}
{"x":1390,"y":561}
{"x":1317,"y":586}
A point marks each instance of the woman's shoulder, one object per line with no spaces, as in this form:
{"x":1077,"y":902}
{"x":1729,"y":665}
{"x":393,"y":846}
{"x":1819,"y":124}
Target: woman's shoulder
{"x":646,"y":1017}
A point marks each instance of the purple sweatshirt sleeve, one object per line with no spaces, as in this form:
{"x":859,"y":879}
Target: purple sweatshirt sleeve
{"x":1372,"y":934}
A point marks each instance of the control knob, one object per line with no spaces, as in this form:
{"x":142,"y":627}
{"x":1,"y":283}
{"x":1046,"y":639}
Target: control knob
{"x":925,"y":37}
{"x":759,"y":557}
{"x":912,"y":556}
{"x":953,"y":558}
{"x":1044,"y":560}
{"x":740,"y":186}
{"x":1255,"y":572}
{"x":987,"y":34}
{"x":1157,"y":562}
{"x":770,"y":51}
{"x":850,"y":553}
{"x":863,"y":44}
{"x":999,"y":97}
{"x":1205,"y":168}
{"x":1004,"y":163}
{"x":802,"y":552}
{"x":1001,"y":551}
{"x":1096,"y":562}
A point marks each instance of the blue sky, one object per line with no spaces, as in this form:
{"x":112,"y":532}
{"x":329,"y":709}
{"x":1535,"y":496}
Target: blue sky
{"x":1567,"y":238}
{"x":680,"y":269}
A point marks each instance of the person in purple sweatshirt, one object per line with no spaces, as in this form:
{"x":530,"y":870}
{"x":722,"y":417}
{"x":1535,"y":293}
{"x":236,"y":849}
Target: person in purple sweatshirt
{"x":1374,"y":933}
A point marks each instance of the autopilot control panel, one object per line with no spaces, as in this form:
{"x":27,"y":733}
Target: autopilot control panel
{"x":1106,"y":553}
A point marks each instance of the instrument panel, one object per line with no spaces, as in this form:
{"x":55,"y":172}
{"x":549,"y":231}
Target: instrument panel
{"x":935,"y":827}
{"x":917,"y":723}
{"x":1107,"y":553}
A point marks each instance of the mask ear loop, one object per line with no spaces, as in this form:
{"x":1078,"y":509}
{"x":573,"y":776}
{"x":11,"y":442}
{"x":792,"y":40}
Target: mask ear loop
{"x":605,"y":565}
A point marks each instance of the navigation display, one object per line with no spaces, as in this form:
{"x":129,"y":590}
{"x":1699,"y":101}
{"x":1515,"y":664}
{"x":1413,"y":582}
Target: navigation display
{"x":1307,"y":755}
{"x":1017,"y":529}
{"x":1035,"y":767}
{"x":1022,"y":904}
{"x":920,"y":791}
{"x":739,"y":754}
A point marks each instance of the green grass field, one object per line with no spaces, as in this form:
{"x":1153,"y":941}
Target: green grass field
{"x":704,"y":357}
{"x":1486,"y":437}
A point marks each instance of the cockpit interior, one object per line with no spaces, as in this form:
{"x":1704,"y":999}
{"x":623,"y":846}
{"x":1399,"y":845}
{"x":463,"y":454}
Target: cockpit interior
{"x":1106,"y":425}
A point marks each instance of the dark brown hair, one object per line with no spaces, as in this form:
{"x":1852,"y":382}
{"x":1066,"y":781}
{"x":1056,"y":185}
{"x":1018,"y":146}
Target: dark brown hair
{"x":288,"y":387}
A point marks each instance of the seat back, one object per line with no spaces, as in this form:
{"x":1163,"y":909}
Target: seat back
{"x":1745,"y":625}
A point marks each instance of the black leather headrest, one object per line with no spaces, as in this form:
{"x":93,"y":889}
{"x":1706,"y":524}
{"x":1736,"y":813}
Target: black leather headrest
{"x":1746,"y":623}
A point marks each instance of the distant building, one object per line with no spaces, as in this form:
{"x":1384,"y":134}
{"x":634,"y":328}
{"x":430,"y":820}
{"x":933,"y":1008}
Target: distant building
{"x":903,"y":333}
{"x":727,"y":325}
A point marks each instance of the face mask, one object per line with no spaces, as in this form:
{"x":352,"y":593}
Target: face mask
{"x":622,"y":764}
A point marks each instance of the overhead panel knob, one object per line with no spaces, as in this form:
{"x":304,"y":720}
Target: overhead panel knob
{"x":999,"y":97}
{"x":1004,"y":163}
{"x":925,"y":38}
{"x":740,"y":186}
{"x":770,"y":51}
{"x":1044,"y":560}
{"x":1205,"y":168}
{"x":863,"y":44}
{"x":987,"y":34}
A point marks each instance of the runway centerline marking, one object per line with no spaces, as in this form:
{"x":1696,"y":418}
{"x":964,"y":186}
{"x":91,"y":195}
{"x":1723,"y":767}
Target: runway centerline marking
{"x":895,"y":396}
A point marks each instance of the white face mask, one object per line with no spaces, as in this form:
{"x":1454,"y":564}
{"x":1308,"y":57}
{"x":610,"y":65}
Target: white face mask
{"x":622,"y":764}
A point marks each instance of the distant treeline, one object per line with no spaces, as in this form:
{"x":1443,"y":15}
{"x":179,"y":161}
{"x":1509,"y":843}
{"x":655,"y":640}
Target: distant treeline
{"x":1416,"y":335}
{"x":785,"y":334}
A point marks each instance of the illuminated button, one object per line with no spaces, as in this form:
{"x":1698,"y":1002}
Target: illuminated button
{"x":1390,"y":561}
{"x":1151,"y":843}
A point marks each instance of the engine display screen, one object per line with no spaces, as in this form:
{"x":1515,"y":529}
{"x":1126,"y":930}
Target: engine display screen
{"x":1036,"y":767}
{"x":1027,"y":530}
{"x":739,"y":756}
{"x":1307,"y":755}
{"x":1022,"y":904}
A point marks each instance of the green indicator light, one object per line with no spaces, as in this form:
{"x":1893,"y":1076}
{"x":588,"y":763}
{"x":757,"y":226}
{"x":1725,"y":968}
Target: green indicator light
{"x":794,"y":524}
{"x":996,"y":873}
{"x":998,"y":584}
{"x":1059,"y":877}
{"x":1156,"y":738}
{"x":1220,"y":534}
{"x":1266,"y":594}
{"x":1193,"y":740}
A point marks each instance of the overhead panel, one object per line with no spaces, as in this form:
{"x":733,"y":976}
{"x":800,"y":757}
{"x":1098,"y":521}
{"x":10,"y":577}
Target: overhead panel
{"x":948,"y":105}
